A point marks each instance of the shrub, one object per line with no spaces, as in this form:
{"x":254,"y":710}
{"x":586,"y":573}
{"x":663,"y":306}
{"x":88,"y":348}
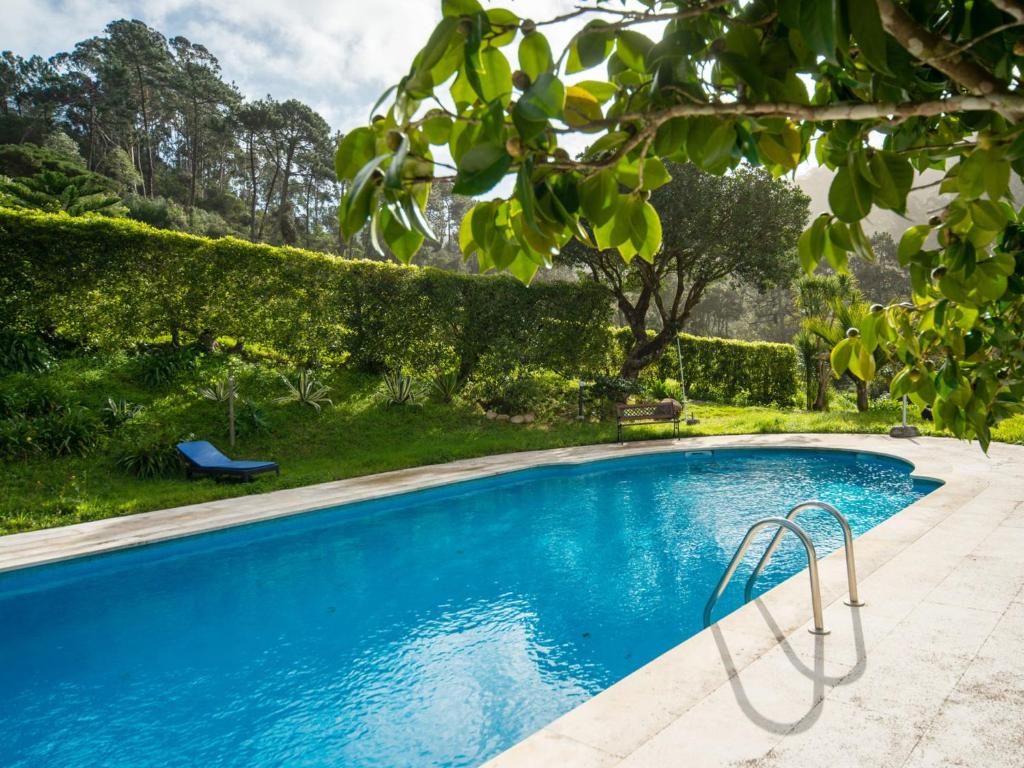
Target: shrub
{"x":68,"y":431}
{"x":162,"y":366}
{"x":221,"y":391}
{"x":397,"y":388}
{"x":525,"y":390}
{"x":251,"y":420}
{"x":151,"y":456}
{"x":730,"y":370}
{"x":17,"y":437}
{"x":445,"y":386}
{"x":661,"y":389}
{"x":117,"y":412}
{"x":24,"y":353}
{"x":306,"y":391}
{"x":613,"y":389}
{"x":125,"y":282}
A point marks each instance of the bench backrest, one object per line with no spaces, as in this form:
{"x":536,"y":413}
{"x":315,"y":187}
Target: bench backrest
{"x":648,"y":411}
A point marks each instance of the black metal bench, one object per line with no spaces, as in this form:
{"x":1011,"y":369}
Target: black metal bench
{"x":665,"y":412}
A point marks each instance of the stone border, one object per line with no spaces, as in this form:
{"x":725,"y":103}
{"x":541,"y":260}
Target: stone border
{"x":621,"y":724}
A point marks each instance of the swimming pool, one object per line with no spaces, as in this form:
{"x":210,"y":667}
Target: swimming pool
{"x":434,"y":628}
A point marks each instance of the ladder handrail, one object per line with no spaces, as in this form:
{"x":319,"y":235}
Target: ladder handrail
{"x":851,"y":566}
{"x":812,"y":569}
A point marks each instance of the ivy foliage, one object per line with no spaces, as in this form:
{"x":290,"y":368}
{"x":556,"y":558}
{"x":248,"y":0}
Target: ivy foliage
{"x":114,"y":283}
{"x":876,"y":90}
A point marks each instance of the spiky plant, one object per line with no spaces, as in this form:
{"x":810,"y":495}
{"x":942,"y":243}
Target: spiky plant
{"x":306,"y":391}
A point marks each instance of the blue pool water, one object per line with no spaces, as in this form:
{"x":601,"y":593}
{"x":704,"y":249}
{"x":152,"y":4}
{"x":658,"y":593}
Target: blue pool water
{"x":431,"y":629}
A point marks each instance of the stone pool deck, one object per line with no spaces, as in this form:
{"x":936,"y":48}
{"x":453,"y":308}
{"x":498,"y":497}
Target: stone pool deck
{"x":929,"y":673}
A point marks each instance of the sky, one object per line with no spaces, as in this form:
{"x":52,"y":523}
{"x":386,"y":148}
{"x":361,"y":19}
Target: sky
{"x":338,"y":56}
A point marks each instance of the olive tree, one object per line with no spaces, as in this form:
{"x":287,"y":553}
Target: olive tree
{"x":741,"y":227}
{"x":876,"y":89}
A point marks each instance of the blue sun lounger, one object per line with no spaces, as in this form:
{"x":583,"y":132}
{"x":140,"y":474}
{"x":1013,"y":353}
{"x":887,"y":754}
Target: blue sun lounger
{"x":204,"y":459}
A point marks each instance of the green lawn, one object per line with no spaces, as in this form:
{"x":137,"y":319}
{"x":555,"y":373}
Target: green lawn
{"x":359,"y":435}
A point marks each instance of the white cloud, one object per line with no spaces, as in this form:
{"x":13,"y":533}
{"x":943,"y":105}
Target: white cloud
{"x":338,"y":56}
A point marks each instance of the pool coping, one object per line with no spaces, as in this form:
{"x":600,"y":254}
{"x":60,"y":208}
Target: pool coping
{"x":631,"y":721}
{"x":52,"y":545}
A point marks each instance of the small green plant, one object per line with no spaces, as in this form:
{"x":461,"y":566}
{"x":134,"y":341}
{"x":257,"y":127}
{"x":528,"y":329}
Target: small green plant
{"x":397,"y":388}
{"x":252,"y":420}
{"x":23,"y":353}
{"x":162,"y":366}
{"x":17,"y":437}
{"x":117,"y":412}
{"x":445,"y":386}
{"x":221,"y":392}
{"x":306,"y":391}
{"x":151,"y":456}
{"x":614,"y":389}
{"x":662,"y":389}
{"x":69,"y":431}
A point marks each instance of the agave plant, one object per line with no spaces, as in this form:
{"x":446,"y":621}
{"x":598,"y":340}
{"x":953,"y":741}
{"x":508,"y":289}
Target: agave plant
{"x":445,"y":386}
{"x":397,"y":388}
{"x":307,"y":391}
{"x":221,"y":392}
{"x":117,"y":412}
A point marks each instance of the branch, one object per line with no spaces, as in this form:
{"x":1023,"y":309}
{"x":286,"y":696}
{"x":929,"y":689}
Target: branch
{"x":936,"y":51}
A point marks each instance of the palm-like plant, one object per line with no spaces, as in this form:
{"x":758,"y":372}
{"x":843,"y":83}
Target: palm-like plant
{"x":833,"y":329}
{"x":307,"y":391}
{"x":220,"y":392}
{"x":398,"y":389}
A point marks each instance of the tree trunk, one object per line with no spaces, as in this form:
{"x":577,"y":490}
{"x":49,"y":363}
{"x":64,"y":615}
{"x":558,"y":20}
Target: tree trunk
{"x":862,"y":395}
{"x":644,"y":352}
{"x":824,"y":373}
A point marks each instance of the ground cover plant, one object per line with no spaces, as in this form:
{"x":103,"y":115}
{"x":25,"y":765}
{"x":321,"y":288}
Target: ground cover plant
{"x":124,"y":461}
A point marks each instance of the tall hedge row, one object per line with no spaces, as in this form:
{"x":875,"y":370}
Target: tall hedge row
{"x":118,"y":281}
{"x":729,"y":370}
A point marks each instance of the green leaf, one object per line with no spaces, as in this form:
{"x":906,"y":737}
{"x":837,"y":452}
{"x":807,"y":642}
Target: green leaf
{"x":535,"y":55}
{"x":911,"y":243}
{"x":460,"y":7}
{"x":646,"y":238}
{"x":355,"y":150}
{"x":393,"y":177}
{"x":988,"y":215}
{"x":895,"y":176}
{"x":840,"y":356}
{"x":481,"y":168}
{"x":850,"y":195}
{"x":599,"y":89}
{"x":437,"y":129}
{"x":506,"y":21}
{"x":633,"y":47}
{"x":862,"y":362}
{"x":495,"y":76}
{"x":590,"y":47}
{"x":996,"y":177}
{"x":404,"y":243}
{"x":581,"y":107}
{"x":865,"y":24}
{"x":808,"y":258}
{"x":598,"y":196}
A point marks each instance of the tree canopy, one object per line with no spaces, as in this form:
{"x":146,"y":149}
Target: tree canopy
{"x":876,"y":90}
{"x":743,"y":226}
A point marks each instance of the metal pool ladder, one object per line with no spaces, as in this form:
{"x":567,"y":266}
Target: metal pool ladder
{"x":783,"y":524}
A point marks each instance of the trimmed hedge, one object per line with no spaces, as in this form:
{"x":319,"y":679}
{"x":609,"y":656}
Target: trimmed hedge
{"x":115,"y":282}
{"x":729,"y":370}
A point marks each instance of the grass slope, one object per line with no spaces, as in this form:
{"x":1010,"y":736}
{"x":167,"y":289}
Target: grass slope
{"x":358,"y":435}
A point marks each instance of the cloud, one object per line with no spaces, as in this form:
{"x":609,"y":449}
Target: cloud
{"x":337,"y":56}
